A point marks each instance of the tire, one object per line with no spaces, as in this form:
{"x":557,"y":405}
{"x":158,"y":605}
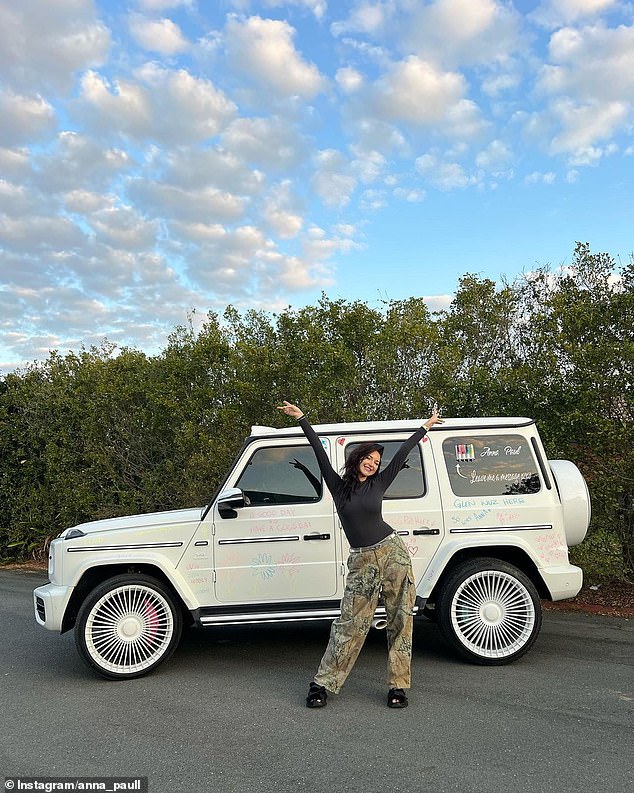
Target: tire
{"x":489,"y":611}
{"x":128,"y":626}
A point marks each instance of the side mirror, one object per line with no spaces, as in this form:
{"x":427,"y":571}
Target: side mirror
{"x":230,"y":500}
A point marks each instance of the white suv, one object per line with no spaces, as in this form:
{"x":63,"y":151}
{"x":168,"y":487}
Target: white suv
{"x":486,"y":518}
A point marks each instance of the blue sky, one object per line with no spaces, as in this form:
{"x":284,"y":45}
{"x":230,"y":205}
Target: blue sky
{"x":159,"y":156}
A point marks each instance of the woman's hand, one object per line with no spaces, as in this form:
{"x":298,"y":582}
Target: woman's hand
{"x":433,"y":419}
{"x":291,"y":410}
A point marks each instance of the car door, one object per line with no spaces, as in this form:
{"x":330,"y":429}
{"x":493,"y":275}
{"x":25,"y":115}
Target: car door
{"x":412,"y":505}
{"x":281,"y":546}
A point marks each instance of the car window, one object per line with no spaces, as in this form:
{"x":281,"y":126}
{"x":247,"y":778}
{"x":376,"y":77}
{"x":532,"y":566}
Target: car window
{"x":494,"y":465}
{"x":281,"y":475}
{"x":410,"y":481}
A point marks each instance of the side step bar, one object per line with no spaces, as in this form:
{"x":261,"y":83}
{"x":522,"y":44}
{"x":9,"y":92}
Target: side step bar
{"x":207,"y":620}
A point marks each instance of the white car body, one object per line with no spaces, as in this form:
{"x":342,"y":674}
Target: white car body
{"x":479,"y":489}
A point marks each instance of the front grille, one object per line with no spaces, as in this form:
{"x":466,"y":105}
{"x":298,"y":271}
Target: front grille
{"x":41,"y":610}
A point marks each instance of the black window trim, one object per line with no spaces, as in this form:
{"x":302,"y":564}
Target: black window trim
{"x":540,"y":462}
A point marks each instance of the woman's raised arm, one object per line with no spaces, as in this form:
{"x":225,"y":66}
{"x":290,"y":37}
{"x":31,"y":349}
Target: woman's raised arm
{"x":333,"y":480}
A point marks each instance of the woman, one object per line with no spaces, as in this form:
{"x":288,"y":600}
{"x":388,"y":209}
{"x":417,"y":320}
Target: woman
{"x":379,"y":563}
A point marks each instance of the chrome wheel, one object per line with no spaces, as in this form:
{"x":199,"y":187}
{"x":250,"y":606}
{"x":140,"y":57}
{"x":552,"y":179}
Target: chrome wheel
{"x":492,"y":614}
{"x":126,"y":628}
{"x":489,"y":611}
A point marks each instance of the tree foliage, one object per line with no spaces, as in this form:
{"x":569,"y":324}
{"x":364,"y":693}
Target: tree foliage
{"x":108,"y":432}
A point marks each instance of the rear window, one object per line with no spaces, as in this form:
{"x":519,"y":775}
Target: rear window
{"x":494,"y":465}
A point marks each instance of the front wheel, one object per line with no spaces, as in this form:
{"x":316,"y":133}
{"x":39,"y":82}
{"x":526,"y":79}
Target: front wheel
{"x":127,"y":626}
{"x":489,"y":611}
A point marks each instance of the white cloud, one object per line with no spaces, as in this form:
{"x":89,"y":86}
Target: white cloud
{"x":46,"y":44}
{"x":372,"y":134}
{"x":14,"y":163}
{"x":464,"y":121}
{"x":123,"y":227}
{"x":590,"y":78}
{"x":496,"y":84}
{"x":158,"y":35}
{"x":412,"y":195}
{"x":583,"y":126}
{"x":592,"y":63}
{"x":345,"y":229}
{"x":442,"y":174}
{"x":553,"y":13}
{"x":114,"y":274}
{"x":368,"y":165}
{"x":22,"y":273}
{"x":296,"y":274}
{"x":106,"y":292}
{"x":438,"y":302}
{"x":36,"y":233}
{"x":262,"y":50}
{"x":163,"y":5}
{"x":349,"y":79}
{"x":318,"y":246}
{"x":495,"y":157}
{"x":244,"y":264}
{"x":316,"y":7}
{"x":197,"y":233}
{"x":24,"y":118}
{"x":169,"y":106}
{"x":268,"y":142}
{"x":332,"y":180}
{"x":15,"y":199}
{"x":372,"y":200}
{"x":537,"y":177}
{"x":367,"y":52}
{"x":454,"y":32}
{"x":281,"y":212}
{"x":367,"y":18}
{"x":83,"y":202}
{"x":76,"y":161}
{"x":417,"y":92}
{"x":191,"y":168}
{"x":202,"y":205}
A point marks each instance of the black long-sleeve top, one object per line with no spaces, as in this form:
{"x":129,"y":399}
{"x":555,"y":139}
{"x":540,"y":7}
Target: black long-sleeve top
{"x":360,"y":510}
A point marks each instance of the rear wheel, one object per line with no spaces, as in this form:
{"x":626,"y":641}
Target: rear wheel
{"x":489,"y":611}
{"x":127,"y":626}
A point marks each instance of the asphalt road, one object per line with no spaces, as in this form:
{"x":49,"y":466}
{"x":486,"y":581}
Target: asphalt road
{"x":226,"y":713}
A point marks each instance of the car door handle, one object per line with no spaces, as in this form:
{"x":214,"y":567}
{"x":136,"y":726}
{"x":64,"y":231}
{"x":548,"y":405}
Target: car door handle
{"x":426,"y":531}
{"x":316,"y":536}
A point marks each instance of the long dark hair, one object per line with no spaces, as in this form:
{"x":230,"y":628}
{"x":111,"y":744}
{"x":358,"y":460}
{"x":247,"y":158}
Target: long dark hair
{"x":350,"y":473}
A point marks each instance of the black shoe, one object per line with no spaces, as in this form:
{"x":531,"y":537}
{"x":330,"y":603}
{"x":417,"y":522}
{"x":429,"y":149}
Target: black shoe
{"x":396,"y":698}
{"x":317,"y":696}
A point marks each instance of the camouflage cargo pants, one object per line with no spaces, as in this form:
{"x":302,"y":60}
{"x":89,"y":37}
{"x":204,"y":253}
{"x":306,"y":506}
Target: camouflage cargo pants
{"x":386,"y":570}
